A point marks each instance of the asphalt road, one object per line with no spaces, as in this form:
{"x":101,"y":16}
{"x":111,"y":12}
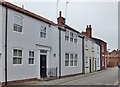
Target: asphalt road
{"x":108,"y":77}
{"x":104,"y":77}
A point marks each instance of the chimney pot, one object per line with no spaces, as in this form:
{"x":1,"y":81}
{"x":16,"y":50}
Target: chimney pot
{"x":60,"y":13}
{"x":89,"y":26}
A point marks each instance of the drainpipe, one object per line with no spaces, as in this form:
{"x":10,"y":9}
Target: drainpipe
{"x":6,"y":22}
{"x":59,"y":53}
{"x":83,"y":56}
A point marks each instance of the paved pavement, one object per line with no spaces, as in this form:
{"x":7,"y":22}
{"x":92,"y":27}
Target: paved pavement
{"x":104,"y":77}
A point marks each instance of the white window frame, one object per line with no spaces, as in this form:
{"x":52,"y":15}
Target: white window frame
{"x":71,"y":37}
{"x":86,"y":43}
{"x":87,"y":61}
{"x":31,"y":57}
{"x":75,"y":60}
{"x":75,"y":38}
{"x":18,"y":26}
{"x":71,"y":59}
{"x":43,"y":32}
{"x":67,"y":35}
{"x":67,"y":59}
{"x":17,"y":56}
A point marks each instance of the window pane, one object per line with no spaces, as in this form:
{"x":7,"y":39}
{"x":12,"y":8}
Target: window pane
{"x":19,"y":52}
{"x":15,"y":52}
{"x":15,"y":60}
{"x":19,"y":60}
{"x":32,"y":54}
{"x":66,"y":63}
{"x":19,"y":28}
{"x":71,"y":59}
{"x":15,"y":27}
{"x":75,"y":60}
{"x":18,"y":19}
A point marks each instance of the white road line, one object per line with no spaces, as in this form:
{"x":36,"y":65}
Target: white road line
{"x":116,"y":83}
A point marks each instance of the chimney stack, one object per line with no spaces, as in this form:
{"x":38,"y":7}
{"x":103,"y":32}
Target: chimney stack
{"x":60,"y":19}
{"x":89,"y":31}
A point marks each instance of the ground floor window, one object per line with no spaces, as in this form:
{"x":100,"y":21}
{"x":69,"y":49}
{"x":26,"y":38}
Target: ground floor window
{"x":17,"y":56}
{"x":67,"y":59}
{"x":31,"y":57}
{"x":71,"y":59}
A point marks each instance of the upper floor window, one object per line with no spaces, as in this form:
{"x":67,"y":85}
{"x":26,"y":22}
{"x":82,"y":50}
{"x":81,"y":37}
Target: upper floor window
{"x":31,"y":57}
{"x":75,"y":38}
{"x":92,"y":46}
{"x":18,"y":23}
{"x":43,"y":32}
{"x":71,"y":37}
{"x":97,"y":50}
{"x":67,"y":35}
{"x":17,"y":56}
{"x":86,"y":41}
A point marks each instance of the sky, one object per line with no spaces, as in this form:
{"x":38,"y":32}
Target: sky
{"x":101,"y":14}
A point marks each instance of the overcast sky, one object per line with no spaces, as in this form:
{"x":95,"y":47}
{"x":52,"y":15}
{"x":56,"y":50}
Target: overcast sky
{"x":103,"y":16}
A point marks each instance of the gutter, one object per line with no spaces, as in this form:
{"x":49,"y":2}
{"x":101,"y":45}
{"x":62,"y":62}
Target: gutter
{"x":83,"y":56}
{"x":59,"y":53}
{"x":6,"y":23}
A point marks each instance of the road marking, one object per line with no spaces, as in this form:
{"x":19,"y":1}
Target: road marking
{"x":116,"y":83}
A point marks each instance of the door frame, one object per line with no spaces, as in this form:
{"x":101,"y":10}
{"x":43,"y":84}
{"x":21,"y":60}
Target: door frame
{"x":48,"y":49}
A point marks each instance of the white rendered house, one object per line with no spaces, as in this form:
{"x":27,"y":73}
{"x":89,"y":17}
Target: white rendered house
{"x":33,"y":47}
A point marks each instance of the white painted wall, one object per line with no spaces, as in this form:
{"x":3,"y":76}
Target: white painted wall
{"x":3,"y":43}
{"x":69,"y":47}
{"x":0,"y":29}
{"x":27,"y":41}
{"x":97,"y":56}
{"x":90,"y":53}
{"x":0,"y":68}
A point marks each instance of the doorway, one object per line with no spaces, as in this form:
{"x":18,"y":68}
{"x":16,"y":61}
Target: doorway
{"x":43,"y":68}
{"x":90,"y":66}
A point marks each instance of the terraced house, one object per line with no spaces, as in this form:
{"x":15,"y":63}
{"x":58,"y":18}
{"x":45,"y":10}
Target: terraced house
{"x":29,"y":45}
{"x":33,"y":47}
{"x":91,"y":52}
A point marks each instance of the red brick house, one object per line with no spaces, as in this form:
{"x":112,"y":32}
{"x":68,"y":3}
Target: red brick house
{"x":113,"y":58}
{"x":103,"y":47}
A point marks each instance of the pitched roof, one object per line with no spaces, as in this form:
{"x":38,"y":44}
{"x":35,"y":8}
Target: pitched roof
{"x":24,"y":11}
{"x":99,"y":40}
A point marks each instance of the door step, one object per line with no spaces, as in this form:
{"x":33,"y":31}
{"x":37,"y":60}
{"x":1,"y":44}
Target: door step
{"x":47,"y":78}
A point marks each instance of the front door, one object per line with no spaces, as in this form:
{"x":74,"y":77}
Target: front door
{"x":95,"y":66}
{"x":43,"y":66}
{"x":90,"y":66}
